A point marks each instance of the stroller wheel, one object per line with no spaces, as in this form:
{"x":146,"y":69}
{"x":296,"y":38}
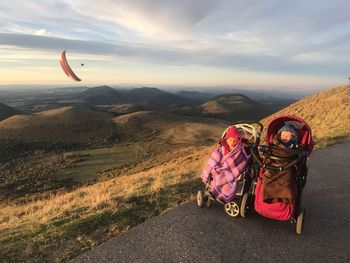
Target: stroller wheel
{"x":232,"y":209}
{"x":244,"y":205}
{"x":300,"y":222}
{"x":200,"y":199}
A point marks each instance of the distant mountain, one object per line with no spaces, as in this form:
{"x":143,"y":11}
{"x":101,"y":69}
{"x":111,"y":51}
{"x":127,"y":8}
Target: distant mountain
{"x":144,"y":98}
{"x":227,"y":103}
{"x":195,"y":95}
{"x":168,"y":101}
{"x":7,"y":111}
{"x":102,"y":95}
{"x":327,"y":113}
{"x":232,"y":107}
{"x":144,"y":93}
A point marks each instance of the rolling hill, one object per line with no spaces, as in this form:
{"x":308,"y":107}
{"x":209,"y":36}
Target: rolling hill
{"x":195,"y":95}
{"x":144,"y":93}
{"x":7,"y":111}
{"x":121,"y":109}
{"x":153,"y":98}
{"x":327,"y":112}
{"x":90,"y":214}
{"x":169,"y":128}
{"x":102,"y":95}
{"x":67,"y":125}
{"x":231,"y":107}
{"x":228,"y":103}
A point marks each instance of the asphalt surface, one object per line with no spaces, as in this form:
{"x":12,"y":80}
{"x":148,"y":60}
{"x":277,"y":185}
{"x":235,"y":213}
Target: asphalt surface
{"x":191,"y":234}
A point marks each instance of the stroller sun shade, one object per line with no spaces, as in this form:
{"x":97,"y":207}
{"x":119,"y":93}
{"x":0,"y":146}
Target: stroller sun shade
{"x":303,"y":129}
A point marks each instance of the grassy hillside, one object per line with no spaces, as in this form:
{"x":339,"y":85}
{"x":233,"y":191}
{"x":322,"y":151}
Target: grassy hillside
{"x":126,"y":108}
{"x":66,"y":125}
{"x":230,"y":107}
{"x":65,"y":224}
{"x":228,"y":103}
{"x":171,"y":128}
{"x":92,"y":214}
{"x":327,"y":112}
{"x":6,"y":111}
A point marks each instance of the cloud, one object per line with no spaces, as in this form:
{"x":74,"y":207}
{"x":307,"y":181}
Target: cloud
{"x":42,"y":32}
{"x":131,"y":52}
{"x":154,"y":19}
{"x":265,"y":36}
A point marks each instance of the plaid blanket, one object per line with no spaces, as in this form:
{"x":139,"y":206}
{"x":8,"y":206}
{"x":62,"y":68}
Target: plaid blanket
{"x":224,"y":169}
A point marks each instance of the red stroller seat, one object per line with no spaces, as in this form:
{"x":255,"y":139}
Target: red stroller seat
{"x":279,"y":210}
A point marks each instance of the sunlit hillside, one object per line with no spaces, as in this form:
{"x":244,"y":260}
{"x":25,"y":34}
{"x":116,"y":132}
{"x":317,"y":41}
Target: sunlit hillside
{"x":126,"y":108}
{"x":327,"y":112}
{"x":6,"y":111}
{"x":235,"y":107}
{"x":86,"y":216}
{"x":147,"y":125}
{"x":68,"y":125}
{"x":228,"y":103}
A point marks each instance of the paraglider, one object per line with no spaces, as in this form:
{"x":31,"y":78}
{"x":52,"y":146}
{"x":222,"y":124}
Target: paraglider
{"x":66,"y":68}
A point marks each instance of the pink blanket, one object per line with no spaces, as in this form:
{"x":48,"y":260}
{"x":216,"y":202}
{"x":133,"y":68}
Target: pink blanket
{"x":224,"y":170}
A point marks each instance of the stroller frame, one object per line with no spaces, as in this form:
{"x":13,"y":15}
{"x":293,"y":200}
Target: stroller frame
{"x":251,"y":138}
{"x":299,"y":160}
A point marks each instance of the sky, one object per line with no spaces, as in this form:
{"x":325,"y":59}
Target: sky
{"x":300,"y":44}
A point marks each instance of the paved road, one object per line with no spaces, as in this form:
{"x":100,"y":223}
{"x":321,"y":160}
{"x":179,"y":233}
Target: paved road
{"x":192,"y":234}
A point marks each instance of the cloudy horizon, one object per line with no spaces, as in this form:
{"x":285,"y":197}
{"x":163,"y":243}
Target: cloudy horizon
{"x":268,"y":43}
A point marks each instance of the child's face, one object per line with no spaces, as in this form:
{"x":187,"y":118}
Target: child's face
{"x":286,"y":136}
{"x":231,"y":142}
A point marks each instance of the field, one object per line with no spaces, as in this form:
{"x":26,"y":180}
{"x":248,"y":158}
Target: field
{"x":88,"y":215}
{"x":56,"y":203}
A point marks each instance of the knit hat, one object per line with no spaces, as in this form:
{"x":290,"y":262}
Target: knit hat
{"x":291,"y":129}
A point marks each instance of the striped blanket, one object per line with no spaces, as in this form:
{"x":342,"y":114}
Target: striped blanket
{"x":224,"y":169}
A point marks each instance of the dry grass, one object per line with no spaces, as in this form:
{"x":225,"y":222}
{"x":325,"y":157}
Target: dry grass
{"x":6,"y":111}
{"x":169,"y":127}
{"x":67,"y":224}
{"x":67,"y":125}
{"x":104,"y":193}
{"x":91,"y":214}
{"x":327,"y":112}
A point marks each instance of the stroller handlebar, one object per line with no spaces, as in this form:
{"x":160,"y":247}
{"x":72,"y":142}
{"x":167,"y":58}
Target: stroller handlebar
{"x":261,"y":127}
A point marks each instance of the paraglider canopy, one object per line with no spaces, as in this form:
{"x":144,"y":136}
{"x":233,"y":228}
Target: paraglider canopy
{"x":66,"y":68}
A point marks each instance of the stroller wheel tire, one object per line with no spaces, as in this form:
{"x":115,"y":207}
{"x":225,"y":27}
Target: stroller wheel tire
{"x":244,"y":205}
{"x":232,"y":209}
{"x":300,"y":222}
{"x":200,"y":199}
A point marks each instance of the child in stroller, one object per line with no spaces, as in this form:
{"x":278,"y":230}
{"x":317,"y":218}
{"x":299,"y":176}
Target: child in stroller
{"x":283,"y":170}
{"x":227,"y":173}
{"x":278,"y":185}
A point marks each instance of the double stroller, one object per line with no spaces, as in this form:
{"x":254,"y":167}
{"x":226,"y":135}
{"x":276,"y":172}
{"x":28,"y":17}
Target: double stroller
{"x":250,"y":134}
{"x":273,"y":182}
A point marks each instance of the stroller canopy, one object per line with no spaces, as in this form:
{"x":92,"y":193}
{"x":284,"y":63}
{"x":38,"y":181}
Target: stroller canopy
{"x":303,"y":129}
